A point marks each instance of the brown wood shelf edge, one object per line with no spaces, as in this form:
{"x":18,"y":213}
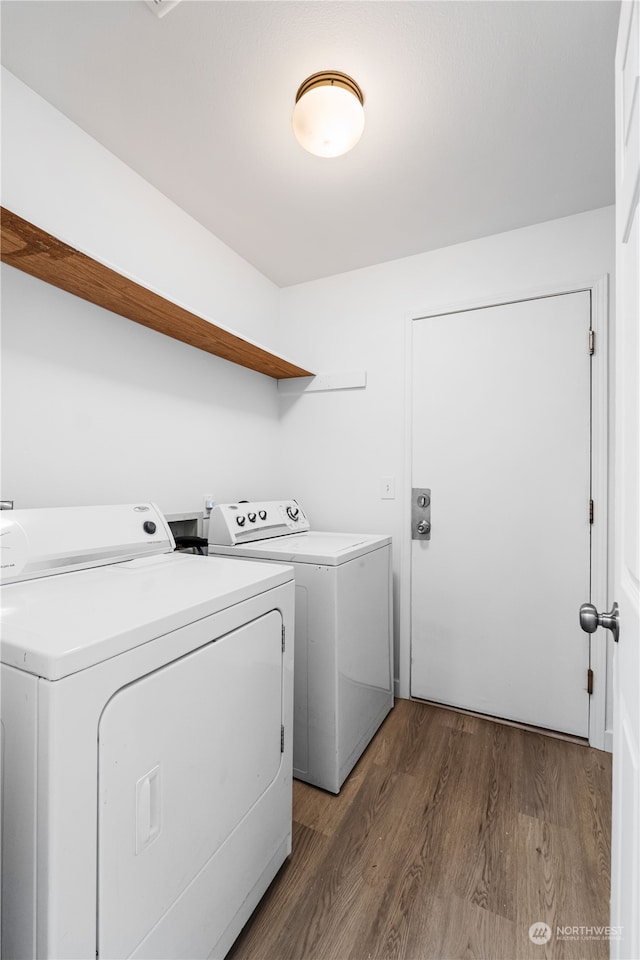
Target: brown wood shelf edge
{"x":32,"y":250}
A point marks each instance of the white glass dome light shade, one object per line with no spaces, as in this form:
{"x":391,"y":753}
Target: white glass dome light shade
{"x":328,"y":118}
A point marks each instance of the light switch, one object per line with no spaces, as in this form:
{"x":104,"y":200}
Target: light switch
{"x":388,"y":488}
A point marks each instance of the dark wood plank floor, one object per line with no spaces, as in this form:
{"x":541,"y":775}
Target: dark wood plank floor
{"x":452,"y":836}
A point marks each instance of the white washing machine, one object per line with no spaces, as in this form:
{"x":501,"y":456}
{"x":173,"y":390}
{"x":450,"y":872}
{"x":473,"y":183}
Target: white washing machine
{"x":146,"y":725}
{"x":343,"y":674}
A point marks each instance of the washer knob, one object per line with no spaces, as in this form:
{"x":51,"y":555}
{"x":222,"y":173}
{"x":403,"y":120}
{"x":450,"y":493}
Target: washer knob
{"x":149,"y":526}
{"x":240,"y":520}
{"x":292,"y":513}
{"x":262,"y":514}
{"x":252,"y":517}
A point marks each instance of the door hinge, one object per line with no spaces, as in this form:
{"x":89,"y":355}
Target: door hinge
{"x":589,"y":681}
{"x":282,"y":738}
{"x":283,"y":632}
{"x":592,"y":342}
{"x":590,"y":511}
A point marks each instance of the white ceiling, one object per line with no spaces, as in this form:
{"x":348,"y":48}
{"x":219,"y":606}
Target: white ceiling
{"x":481,"y":116}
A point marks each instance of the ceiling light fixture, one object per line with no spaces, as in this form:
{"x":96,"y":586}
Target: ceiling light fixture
{"x":328,"y":118}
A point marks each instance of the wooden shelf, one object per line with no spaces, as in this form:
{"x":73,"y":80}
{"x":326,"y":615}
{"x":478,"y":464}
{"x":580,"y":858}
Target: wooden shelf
{"x":30,"y":249}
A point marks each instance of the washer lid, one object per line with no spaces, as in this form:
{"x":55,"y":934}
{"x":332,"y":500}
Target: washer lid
{"x":58,"y":625}
{"x":316,"y":546}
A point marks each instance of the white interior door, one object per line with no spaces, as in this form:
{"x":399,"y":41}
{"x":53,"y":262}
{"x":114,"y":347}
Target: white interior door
{"x":625,"y":873}
{"x":501,"y":437}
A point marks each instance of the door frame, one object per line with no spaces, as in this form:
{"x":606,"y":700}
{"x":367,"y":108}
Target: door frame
{"x":600,"y":735}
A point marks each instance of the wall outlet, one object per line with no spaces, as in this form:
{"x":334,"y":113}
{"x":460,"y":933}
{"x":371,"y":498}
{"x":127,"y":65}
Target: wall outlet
{"x":208,"y":503}
{"x":388,"y":488}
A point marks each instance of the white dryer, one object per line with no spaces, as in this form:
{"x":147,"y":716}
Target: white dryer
{"x":343,"y":674}
{"x":146,"y":726}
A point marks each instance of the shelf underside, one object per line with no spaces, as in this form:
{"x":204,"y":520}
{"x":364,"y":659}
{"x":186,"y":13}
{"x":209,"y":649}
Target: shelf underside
{"x":36,"y":252}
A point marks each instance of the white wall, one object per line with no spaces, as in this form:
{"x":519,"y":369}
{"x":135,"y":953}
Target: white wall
{"x":97,"y":408}
{"x":60,"y":178}
{"x":338,"y":445}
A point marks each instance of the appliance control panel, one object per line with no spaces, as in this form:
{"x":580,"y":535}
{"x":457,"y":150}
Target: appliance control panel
{"x":46,"y":541}
{"x":242,"y":522}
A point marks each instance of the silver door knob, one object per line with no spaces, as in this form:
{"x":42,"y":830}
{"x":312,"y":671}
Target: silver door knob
{"x":590,"y":619}
{"x":424,"y":527}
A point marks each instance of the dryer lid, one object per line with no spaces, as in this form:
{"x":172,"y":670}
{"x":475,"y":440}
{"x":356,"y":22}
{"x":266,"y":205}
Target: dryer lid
{"x":56,"y":626}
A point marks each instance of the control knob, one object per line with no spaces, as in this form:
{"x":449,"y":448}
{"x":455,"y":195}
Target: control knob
{"x":252,"y":517}
{"x":292,"y":513}
{"x":262,"y":514}
{"x":149,"y":526}
{"x":240,"y":520}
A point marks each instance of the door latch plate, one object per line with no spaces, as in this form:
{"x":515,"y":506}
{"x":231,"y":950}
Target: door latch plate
{"x":421,"y":513}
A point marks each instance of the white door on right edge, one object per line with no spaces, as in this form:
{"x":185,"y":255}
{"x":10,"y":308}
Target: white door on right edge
{"x":501,"y":437}
{"x":625,"y":831}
